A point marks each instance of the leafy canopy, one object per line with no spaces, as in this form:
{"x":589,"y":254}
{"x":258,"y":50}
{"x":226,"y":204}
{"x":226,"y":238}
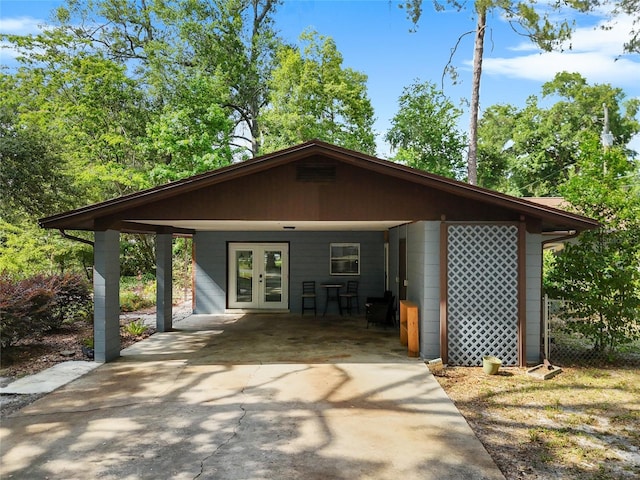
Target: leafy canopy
{"x":599,"y":275}
{"x":529,"y":151}
{"x":424,"y":131}
{"x":313,"y":96}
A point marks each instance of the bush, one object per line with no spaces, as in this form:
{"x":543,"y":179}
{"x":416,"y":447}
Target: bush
{"x":40,"y":303}
{"x":135,"y":328}
{"x":137,"y":292}
{"x":73,"y":301}
{"x":131,"y":301}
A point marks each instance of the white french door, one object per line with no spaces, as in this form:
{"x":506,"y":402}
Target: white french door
{"x":258,"y":275}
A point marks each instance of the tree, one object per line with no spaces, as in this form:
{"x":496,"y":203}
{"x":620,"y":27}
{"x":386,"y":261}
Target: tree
{"x":496,"y":130}
{"x":526,"y":20}
{"x":313,"y":96}
{"x":88,"y":104}
{"x":599,"y":274}
{"x":192,"y":133}
{"x":233,"y":41}
{"x":33,"y":176}
{"x":424,"y":131}
{"x":528,"y":151}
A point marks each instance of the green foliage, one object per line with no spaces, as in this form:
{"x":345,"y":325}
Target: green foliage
{"x":541,"y":25}
{"x":131,"y":301}
{"x":599,"y":275}
{"x":33,"y":176}
{"x":169,"y":41}
{"x":135,"y":328}
{"x":192,"y":133}
{"x":93,"y":111}
{"x":37,"y":304}
{"x":137,"y":292}
{"x":424,"y":131}
{"x":529,"y":151}
{"x":137,"y":255}
{"x":26,"y":249}
{"x":313,"y":96}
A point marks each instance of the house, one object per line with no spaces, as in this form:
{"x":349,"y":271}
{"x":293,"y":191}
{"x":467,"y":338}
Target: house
{"x":470,"y":258}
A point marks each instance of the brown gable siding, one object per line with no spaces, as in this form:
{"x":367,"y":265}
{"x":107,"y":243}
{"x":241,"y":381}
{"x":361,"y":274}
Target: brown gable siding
{"x":345,"y":185}
{"x":356,"y":194}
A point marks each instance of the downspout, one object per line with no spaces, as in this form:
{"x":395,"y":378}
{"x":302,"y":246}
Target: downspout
{"x":569,"y":236}
{"x":76,"y":239}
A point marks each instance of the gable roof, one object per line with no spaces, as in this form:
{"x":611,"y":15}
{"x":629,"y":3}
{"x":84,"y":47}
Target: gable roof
{"x":115,"y":213}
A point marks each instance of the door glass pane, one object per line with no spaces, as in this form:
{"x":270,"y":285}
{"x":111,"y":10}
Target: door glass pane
{"x":272,"y":275}
{"x":244,"y":276}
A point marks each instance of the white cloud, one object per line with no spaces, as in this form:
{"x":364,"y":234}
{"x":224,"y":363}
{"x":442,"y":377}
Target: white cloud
{"x":17,"y":26}
{"x":593,"y":52}
{"x":596,"y":67}
{"x":21,"y":25}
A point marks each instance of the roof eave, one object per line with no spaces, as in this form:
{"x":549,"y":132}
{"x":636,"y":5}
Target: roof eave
{"x":85,"y":218}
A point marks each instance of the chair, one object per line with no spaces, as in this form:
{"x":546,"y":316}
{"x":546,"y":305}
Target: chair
{"x":309,"y":296}
{"x":380,"y":310}
{"x":350,"y":295}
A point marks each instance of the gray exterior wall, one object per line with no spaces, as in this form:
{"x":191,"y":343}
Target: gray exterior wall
{"x":308,"y":260}
{"x":429,"y":286}
{"x":534,"y":297}
{"x":423,"y":271}
{"x":394,"y":246}
{"x":423,"y":275}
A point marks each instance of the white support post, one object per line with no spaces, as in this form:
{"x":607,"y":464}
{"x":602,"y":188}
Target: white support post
{"x":106,"y":291}
{"x":164,"y":282}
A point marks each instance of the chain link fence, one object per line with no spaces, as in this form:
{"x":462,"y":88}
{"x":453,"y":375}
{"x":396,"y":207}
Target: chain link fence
{"x":565,"y":346}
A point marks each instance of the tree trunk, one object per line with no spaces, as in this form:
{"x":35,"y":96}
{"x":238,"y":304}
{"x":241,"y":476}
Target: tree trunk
{"x":472,"y":158}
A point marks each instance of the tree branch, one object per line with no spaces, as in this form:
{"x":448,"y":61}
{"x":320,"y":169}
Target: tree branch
{"x":453,"y":52}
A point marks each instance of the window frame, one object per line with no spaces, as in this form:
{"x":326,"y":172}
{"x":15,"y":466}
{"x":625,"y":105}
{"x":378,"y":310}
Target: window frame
{"x":348,"y":258}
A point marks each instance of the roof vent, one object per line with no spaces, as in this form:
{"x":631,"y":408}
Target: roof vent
{"x":316,"y":173}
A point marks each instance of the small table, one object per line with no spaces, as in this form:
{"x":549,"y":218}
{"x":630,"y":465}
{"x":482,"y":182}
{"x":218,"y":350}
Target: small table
{"x":333,"y":293}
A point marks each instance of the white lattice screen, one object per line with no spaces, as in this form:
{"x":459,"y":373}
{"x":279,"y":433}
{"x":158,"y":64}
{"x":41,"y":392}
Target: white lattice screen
{"x":482,"y":283}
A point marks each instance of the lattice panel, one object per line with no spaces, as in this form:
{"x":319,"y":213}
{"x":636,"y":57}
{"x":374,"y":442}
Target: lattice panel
{"x":482,"y":288}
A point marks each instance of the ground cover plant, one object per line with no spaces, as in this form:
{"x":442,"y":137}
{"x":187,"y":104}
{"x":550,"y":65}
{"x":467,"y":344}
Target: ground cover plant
{"x":583,"y":423}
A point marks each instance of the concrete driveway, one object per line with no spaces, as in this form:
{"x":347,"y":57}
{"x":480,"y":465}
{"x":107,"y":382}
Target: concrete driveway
{"x":246,"y":398}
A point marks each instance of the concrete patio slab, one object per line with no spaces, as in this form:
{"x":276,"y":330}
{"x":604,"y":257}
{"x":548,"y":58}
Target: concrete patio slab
{"x":258,"y":397}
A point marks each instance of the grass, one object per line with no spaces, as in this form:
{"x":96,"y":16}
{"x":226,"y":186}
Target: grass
{"x":583,"y":423}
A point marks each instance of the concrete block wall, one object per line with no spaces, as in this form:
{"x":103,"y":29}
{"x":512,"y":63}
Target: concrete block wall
{"x":534,"y":297}
{"x":106,"y":290}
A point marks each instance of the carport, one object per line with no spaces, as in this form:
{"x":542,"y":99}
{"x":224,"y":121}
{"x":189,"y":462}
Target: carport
{"x":469,"y":258}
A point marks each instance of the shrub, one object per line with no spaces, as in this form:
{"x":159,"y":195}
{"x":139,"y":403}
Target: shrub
{"x":73,"y":301}
{"x":137,"y":292}
{"x":132,"y":301}
{"x":137,"y":327}
{"x":40,"y":303}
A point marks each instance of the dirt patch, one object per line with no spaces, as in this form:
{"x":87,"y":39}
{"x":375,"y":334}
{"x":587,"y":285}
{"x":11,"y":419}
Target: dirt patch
{"x":32,"y":355}
{"x":584,"y":423}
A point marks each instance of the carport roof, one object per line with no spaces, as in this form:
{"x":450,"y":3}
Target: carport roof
{"x":114,"y":213}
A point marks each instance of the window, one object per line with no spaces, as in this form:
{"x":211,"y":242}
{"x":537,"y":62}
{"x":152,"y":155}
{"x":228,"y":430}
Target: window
{"x":344,"y":259}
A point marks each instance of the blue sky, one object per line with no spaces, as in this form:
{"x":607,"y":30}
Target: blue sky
{"x":374,"y":37}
